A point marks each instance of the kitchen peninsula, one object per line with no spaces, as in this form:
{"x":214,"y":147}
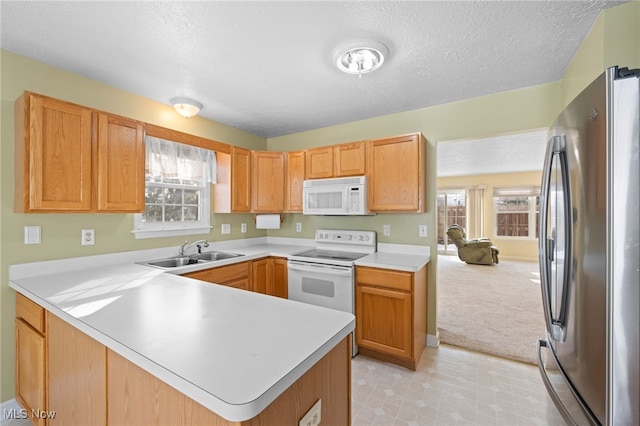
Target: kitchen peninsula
{"x":228,"y":356}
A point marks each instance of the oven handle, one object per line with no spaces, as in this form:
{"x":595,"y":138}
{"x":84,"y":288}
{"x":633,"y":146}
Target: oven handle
{"x":319,"y":268}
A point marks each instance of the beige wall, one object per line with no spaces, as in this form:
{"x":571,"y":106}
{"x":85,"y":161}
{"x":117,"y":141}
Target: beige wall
{"x":508,"y":112}
{"x":613,"y":40}
{"x":510,"y":248}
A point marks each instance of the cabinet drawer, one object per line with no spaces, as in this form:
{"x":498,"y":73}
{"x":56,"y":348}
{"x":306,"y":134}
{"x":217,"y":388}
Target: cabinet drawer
{"x":30,"y":312}
{"x":397,"y":280}
{"x":222,"y":274}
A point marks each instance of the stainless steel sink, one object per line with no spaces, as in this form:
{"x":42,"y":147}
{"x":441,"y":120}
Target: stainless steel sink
{"x":172,"y":262}
{"x":212,"y":256}
{"x":175,"y":262}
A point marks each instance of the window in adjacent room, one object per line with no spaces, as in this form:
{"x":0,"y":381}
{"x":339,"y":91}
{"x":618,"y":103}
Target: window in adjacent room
{"x":178,"y":178}
{"x":516,"y":211}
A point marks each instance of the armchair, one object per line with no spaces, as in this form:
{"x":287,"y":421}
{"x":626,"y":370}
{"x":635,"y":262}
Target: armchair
{"x":479,"y":251}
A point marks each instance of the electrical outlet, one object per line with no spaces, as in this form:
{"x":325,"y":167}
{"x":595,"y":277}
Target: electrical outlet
{"x":298,"y":226}
{"x":225,"y":228}
{"x":243,"y":228}
{"x":422,"y":231}
{"x":312,"y":418}
{"x":386,"y":230}
{"x":88,"y":237}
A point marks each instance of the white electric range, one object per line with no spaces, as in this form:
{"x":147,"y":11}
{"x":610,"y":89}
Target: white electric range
{"x":325,"y":276}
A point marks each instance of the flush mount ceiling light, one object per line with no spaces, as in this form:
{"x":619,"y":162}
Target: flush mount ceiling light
{"x":360,"y":57}
{"x":186,"y":107}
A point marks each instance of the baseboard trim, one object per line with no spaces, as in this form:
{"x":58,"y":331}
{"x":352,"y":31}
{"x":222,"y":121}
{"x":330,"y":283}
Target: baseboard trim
{"x":433,"y":341}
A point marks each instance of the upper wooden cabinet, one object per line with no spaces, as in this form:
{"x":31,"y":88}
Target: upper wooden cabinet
{"x":349,"y":159}
{"x":396,"y":174}
{"x":294,"y":181}
{"x":240,"y":180}
{"x":319,"y":163}
{"x":346,"y":159}
{"x":64,"y":153}
{"x":120,"y":164}
{"x":53,"y":166}
{"x":267,"y":182}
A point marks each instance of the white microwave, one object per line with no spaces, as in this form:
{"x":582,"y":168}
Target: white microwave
{"x":338,"y":196}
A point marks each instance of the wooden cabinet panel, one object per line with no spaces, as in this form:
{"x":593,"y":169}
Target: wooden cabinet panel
{"x":295,"y":179}
{"x":384,"y":320}
{"x":30,"y":366}
{"x":391,"y":314}
{"x":32,"y":313}
{"x":270,"y":276}
{"x":240,"y":180}
{"x":319,"y":163}
{"x":396,"y":174}
{"x":236,"y":275}
{"x":349,"y":159}
{"x":260,"y":272}
{"x":138,"y":398}
{"x":394,"y":280}
{"x":267,"y":184}
{"x":77,"y":376}
{"x":120,"y":164}
{"x":52,"y":155}
{"x":280,"y":287}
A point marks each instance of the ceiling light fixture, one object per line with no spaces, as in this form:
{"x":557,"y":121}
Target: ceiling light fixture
{"x":186,"y":107}
{"x":360,"y":57}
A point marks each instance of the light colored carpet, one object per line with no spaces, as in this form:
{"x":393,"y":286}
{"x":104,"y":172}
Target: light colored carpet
{"x":491,"y":309}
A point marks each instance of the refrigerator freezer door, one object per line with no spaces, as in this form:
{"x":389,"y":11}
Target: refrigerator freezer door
{"x":623,"y":252}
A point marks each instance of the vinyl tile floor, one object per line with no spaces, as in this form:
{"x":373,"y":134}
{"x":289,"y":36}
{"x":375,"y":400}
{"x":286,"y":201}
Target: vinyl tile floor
{"x":451,"y":386}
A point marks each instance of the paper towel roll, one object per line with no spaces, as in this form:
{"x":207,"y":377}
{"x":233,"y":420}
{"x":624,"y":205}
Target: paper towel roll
{"x":268,"y":221}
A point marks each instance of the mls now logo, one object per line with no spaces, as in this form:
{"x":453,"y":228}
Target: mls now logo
{"x":21,"y":413}
{"x":15,"y":413}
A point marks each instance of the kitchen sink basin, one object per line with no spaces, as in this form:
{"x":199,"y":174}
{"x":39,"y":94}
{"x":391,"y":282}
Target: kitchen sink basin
{"x":211,"y":256}
{"x":172,"y":262}
{"x":175,"y":262}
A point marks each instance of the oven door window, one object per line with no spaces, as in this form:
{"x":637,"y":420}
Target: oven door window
{"x":317,"y":286}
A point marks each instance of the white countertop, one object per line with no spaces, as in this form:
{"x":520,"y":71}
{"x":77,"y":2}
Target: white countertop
{"x":228,"y":349}
{"x":398,"y":261}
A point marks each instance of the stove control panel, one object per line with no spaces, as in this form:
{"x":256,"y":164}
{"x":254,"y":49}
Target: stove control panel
{"x":335,"y":236}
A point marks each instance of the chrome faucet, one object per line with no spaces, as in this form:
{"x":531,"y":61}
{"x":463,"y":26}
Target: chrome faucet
{"x":199,"y":244}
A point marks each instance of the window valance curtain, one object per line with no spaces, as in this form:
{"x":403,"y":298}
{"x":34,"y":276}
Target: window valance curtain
{"x":172,"y":159}
{"x":516,"y":191}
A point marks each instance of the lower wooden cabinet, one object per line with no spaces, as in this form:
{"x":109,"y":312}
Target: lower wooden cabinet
{"x":391,"y":314}
{"x":237,"y":275}
{"x":92,"y":385}
{"x":270,"y":276}
{"x":77,"y":387}
{"x":30,"y":369}
{"x":31,"y":358}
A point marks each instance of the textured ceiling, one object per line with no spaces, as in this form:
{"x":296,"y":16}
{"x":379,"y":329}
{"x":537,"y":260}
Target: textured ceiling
{"x":267,"y":67}
{"x":521,"y":152}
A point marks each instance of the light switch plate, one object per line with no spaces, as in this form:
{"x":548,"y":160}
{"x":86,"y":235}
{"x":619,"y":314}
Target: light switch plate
{"x":32,"y":235}
{"x":225,"y":228}
{"x":422,"y":231}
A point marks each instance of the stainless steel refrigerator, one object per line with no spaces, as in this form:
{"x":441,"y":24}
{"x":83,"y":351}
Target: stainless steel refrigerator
{"x":588,"y":252}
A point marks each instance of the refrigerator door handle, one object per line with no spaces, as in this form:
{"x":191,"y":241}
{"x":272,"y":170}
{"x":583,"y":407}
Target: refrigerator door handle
{"x":547,"y":247}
